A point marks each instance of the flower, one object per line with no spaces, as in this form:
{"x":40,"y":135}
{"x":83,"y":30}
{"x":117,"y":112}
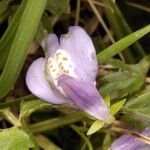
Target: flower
{"x":127,"y":142}
{"x":68,"y":73}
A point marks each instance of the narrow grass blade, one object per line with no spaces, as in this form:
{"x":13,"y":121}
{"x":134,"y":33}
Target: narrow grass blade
{"x":8,"y":37}
{"x":19,"y":49}
{"x":120,"y":26}
{"x":122,"y":44}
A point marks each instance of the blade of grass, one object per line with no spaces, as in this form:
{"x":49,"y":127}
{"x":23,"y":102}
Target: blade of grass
{"x":139,"y":6}
{"x":18,"y":52}
{"x":9,"y":34}
{"x":120,"y":27}
{"x":8,"y":37}
{"x":122,"y":44}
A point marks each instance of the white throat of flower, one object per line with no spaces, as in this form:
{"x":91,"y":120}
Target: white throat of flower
{"x":60,"y":63}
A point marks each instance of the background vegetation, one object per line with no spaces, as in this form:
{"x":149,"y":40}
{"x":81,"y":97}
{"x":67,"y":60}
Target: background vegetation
{"x":29,"y":123}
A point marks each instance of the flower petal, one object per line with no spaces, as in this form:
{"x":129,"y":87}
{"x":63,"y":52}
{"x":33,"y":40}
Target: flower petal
{"x":84,"y":95}
{"x":127,"y":142}
{"x":79,"y":46}
{"x":50,"y":44}
{"x":38,"y":85}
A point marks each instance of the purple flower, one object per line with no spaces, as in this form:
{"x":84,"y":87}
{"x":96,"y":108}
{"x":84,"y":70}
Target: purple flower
{"x":127,"y":142}
{"x":68,"y":73}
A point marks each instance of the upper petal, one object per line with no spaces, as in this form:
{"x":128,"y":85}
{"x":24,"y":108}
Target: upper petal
{"x":84,"y":95}
{"x":127,"y":142}
{"x":79,"y":46}
{"x":50,"y":44}
{"x":38,"y":85}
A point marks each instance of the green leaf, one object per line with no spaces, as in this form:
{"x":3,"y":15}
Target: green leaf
{"x":19,"y":49}
{"x":107,"y":100}
{"x":118,"y":64}
{"x":141,"y":117}
{"x":143,"y":65}
{"x":4,"y":11}
{"x":122,"y":44}
{"x":140,"y":104}
{"x":146,"y":90}
{"x":135,"y":122}
{"x":98,"y":124}
{"x":8,"y":37}
{"x":58,"y":6}
{"x":117,"y":106}
{"x":130,"y":80}
{"x":15,"y":139}
{"x":107,"y":142}
{"x":121,"y":84}
{"x":127,"y":82}
{"x":28,"y":107}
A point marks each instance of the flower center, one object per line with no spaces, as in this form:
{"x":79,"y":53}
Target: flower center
{"x":57,"y":65}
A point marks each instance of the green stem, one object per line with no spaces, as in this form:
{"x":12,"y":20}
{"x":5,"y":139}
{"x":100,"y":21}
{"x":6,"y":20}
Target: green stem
{"x":10,"y":117}
{"x":137,"y":115}
{"x":88,"y":143}
{"x":45,"y":143}
{"x":16,"y":101}
{"x":134,"y":134}
{"x":56,"y":122}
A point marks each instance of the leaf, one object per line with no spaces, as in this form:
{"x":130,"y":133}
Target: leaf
{"x":121,"y":84}
{"x":117,"y":106}
{"x":122,"y":44}
{"x":4,"y":11}
{"x":15,"y":138}
{"x":118,"y":64}
{"x":22,"y":40}
{"x":134,"y":121}
{"x":127,"y":82}
{"x":28,"y":107}
{"x":143,"y":65}
{"x":58,"y":6}
{"x":107,"y":142}
{"x":8,"y":37}
{"x":107,"y":100}
{"x":141,"y":117}
{"x":147,"y":89}
{"x":98,"y":124}
{"x":140,"y":104}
